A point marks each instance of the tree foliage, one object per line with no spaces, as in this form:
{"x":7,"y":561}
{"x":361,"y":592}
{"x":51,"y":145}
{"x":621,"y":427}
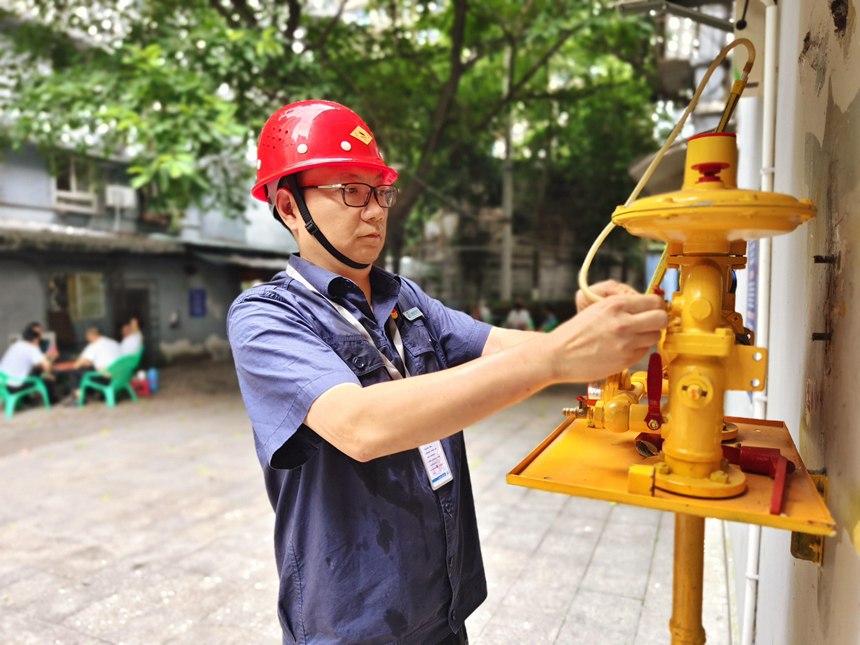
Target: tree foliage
{"x":181,"y":89}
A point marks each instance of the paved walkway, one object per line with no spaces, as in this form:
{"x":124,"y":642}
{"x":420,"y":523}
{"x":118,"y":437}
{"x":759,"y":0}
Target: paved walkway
{"x":149,"y":524}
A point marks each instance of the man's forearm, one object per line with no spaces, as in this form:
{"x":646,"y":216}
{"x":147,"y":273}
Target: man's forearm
{"x":501,"y":339}
{"x":390,"y":417}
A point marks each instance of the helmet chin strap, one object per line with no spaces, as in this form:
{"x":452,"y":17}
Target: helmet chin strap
{"x":312,"y":227}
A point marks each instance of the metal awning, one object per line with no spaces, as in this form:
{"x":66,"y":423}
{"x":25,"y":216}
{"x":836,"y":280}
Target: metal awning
{"x":248,"y":261}
{"x":18,"y":235}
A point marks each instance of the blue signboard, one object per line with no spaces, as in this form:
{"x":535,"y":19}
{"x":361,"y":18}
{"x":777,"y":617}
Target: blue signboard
{"x":197,"y":303}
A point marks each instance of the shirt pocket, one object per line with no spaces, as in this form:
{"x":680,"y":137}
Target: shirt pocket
{"x":420,"y":347}
{"x":361,"y":357}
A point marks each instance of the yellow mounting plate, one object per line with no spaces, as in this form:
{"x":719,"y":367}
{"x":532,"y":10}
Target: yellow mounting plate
{"x":589,"y":462}
{"x":699,"y":215}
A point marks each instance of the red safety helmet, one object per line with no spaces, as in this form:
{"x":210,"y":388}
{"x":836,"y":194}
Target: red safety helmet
{"x":309,"y":134}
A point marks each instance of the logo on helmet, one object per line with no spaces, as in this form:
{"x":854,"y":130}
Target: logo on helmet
{"x":361,"y":134}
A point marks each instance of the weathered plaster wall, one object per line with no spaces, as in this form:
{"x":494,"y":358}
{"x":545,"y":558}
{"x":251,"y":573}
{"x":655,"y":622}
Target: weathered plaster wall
{"x":23,"y":300}
{"x":812,"y":385}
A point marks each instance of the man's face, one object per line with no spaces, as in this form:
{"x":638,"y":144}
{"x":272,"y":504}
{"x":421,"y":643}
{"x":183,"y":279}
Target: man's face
{"x":357,"y":232}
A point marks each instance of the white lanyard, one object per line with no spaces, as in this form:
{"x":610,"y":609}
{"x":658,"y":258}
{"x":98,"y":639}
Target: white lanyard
{"x":352,"y":320}
{"x":435,"y":462}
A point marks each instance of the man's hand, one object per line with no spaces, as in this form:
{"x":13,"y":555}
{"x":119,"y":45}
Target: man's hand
{"x":606,"y":288}
{"x":608,"y":336}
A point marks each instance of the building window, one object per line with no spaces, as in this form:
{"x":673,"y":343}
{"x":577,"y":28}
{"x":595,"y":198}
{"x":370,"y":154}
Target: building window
{"x":86,"y":296}
{"x":75,"y":184}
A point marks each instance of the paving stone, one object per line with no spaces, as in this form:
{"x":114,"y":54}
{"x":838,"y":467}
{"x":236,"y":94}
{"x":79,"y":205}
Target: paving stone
{"x":597,"y":617}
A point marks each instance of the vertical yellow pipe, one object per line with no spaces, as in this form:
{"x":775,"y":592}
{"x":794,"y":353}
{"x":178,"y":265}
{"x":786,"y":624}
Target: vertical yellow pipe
{"x":697,"y":382}
{"x":686,"y":623}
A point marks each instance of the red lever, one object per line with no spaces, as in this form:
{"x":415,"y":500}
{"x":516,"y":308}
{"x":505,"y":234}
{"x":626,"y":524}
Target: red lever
{"x":779,"y":485}
{"x":654,"y":418}
{"x":710,"y":171}
{"x":764,"y":461}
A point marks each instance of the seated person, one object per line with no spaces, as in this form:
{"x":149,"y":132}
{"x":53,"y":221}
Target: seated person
{"x":519,"y":318}
{"x":550,"y":321}
{"x":97,"y":356}
{"x":25,"y":358}
{"x":132,"y":339}
{"x":44,"y":344}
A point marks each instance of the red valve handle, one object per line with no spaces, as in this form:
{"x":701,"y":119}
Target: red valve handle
{"x":710,"y":170}
{"x":654,"y":418}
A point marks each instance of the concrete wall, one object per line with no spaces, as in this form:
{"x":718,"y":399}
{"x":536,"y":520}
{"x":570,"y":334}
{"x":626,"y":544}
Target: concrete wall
{"x":172,"y":331}
{"x":811,"y":384}
{"x":263,"y":232}
{"x":258,"y":229}
{"x":23,"y":299}
{"x":169,"y":281}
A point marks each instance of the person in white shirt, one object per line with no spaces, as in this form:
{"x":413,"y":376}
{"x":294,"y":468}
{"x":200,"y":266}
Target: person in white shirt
{"x":97,"y":356}
{"x":519,"y":318}
{"x":132,"y":339}
{"x":25,"y":358}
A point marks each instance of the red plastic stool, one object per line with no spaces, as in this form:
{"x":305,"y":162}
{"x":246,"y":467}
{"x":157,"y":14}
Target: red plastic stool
{"x":141,"y":387}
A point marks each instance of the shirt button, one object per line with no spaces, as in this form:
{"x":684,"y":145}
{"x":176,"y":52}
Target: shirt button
{"x":448,"y":507}
{"x":359,"y":362}
{"x":453,"y":615}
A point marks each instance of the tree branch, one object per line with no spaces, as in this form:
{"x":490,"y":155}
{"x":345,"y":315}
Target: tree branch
{"x":321,"y":41}
{"x":568,"y":94}
{"x":223,"y":12}
{"x":513,"y":91}
{"x":414,"y":187}
{"x":294,"y":18}
{"x":244,"y":11}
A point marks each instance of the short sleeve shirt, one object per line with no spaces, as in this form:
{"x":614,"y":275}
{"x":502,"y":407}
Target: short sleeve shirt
{"x":367,"y":552}
{"x":19,"y":360}
{"x":102,"y":352}
{"x":131,"y":344}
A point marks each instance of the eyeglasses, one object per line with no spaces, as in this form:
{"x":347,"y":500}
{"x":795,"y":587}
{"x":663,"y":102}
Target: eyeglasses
{"x":357,"y":195}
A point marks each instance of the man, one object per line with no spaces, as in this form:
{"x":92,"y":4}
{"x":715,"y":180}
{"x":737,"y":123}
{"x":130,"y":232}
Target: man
{"x":132,"y":338}
{"x":519,"y":317}
{"x":97,"y":356}
{"x":25,"y":358}
{"x":358,"y":384}
{"x":44,"y":344}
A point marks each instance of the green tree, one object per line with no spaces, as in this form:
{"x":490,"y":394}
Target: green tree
{"x":181,"y":89}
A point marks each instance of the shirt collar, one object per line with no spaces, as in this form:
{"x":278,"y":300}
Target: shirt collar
{"x":384,"y":286}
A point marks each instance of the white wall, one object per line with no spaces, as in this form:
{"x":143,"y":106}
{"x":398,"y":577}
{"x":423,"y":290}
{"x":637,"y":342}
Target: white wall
{"x":26,"y":188}
{"x":812,"y":384}
{"x":263,"y":232}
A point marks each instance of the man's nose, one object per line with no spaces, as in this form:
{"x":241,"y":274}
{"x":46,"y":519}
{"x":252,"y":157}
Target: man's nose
{"x":373,"y":211}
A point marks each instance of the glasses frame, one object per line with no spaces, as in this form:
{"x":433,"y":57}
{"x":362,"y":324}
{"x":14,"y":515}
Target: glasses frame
{"x":374,"y":190}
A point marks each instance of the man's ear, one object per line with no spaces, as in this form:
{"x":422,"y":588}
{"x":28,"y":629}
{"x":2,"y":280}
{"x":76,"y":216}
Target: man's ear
{"x":287,"y":210}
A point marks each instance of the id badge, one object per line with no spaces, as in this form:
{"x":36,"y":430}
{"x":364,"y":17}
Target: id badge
{"x":436,"y":464}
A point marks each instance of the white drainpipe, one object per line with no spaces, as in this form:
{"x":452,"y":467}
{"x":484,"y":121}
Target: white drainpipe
{"x":771,"y":47}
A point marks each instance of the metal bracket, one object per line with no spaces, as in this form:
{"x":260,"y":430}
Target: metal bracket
{"x":805,"y":546}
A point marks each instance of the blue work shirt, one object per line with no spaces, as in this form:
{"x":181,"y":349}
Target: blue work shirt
{"x":366,"y":552}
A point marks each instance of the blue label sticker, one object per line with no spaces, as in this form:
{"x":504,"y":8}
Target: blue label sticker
{"x":412,"y":314}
